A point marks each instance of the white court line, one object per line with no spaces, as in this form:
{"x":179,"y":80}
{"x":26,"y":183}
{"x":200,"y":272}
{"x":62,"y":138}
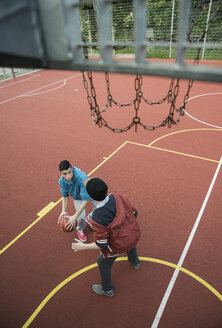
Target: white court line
{"x":24,"y":94}
{"x":26,"y":73}
{"x":194,"y":118}
{"x":13,"y":83}
{"x":28,"y":94}
{"x":187,"y":246}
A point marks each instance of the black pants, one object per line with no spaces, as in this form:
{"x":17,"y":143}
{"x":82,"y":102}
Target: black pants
{"x":105,"y":265}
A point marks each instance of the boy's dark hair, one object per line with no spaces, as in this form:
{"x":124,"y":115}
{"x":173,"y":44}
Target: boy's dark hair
{"x":97,"y":189}
{"x":64,"y":165}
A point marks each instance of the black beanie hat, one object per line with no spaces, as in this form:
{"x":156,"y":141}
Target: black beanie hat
{"x":97,"y":189}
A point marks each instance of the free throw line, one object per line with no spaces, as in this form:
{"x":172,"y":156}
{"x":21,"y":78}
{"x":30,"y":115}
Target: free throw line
{"x":185,"y":251}
{"x":43,"y":212}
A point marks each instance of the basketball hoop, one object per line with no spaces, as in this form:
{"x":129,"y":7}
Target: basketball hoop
{"x":170,"y":97}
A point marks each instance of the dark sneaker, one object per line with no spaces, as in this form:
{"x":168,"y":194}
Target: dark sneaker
{"x":137,"y":266}
{"x":98,"y":290}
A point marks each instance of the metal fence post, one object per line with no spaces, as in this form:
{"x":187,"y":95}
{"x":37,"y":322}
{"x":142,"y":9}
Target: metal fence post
{"x":182,"y":31}
{"x":104,"y":16}
{"x":206,"y":28}
{"x":140,"y":30}
{"x":13,"y":72}
{"x":171,"y":29}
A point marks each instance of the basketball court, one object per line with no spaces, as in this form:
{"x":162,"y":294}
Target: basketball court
{"x":172,"y":176}
{"x":143,"y":127}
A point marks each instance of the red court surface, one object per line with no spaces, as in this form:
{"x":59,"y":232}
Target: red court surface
{"x":172,"y":176}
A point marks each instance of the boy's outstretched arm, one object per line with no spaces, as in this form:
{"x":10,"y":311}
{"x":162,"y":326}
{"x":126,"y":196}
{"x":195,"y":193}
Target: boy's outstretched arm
{"x":79,"y":246}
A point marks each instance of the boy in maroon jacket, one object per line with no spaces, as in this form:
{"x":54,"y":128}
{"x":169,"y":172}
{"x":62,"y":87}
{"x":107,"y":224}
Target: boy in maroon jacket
{"x":116,"y":231}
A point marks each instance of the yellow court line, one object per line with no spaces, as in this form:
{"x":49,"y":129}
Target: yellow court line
{"x":107,"y":158}
{"x":174,"y":152}
{"x":148,"y":259}
{"x":185,"y":154}
{"x":48,"y":208}
{"x":191,"y":274}
{"x":137,"y":144}
{"x":54,"y":291}
{"x":182,"y":131}
{"x":51,"y":205}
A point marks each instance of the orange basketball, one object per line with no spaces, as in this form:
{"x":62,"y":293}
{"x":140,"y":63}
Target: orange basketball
{"x":62,"y":224}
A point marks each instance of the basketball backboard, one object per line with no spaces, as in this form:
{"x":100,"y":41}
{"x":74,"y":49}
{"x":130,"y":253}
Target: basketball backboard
{"x":48,"y":34}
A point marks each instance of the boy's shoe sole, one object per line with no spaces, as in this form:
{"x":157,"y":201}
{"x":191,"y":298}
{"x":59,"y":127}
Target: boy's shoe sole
{"x":137,"y":266}
{"x":98,"y":290}
{"x":82,"y":237}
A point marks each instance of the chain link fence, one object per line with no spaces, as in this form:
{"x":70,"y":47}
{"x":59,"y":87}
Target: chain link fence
{"x":205,"y":27}
{"x":9,"y":73}
{"x":162,"y":24}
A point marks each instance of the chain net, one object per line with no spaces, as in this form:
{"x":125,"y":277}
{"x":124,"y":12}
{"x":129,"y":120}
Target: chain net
{"x":170,"y":97}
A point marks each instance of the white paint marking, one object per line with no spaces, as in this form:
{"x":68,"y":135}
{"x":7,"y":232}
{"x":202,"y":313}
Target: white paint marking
{"x":24,"y":94}
{"x":203,"y":95}
{"x":28,"y":94}
{"x":8,"y":85}
{"x":187,"y":246}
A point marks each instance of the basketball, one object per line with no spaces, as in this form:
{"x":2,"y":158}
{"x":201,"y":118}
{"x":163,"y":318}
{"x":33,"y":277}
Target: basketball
{"x":62,"y":224}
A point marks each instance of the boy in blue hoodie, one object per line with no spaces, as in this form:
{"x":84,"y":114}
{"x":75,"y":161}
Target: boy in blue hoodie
{"x":72,"y":184}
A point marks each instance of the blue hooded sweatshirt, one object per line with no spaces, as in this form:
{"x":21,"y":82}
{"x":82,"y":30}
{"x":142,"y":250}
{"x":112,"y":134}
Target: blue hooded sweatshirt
{"x":76,"y":187}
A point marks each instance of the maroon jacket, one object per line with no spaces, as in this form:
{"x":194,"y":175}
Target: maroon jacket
{"x":123,"y":232}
